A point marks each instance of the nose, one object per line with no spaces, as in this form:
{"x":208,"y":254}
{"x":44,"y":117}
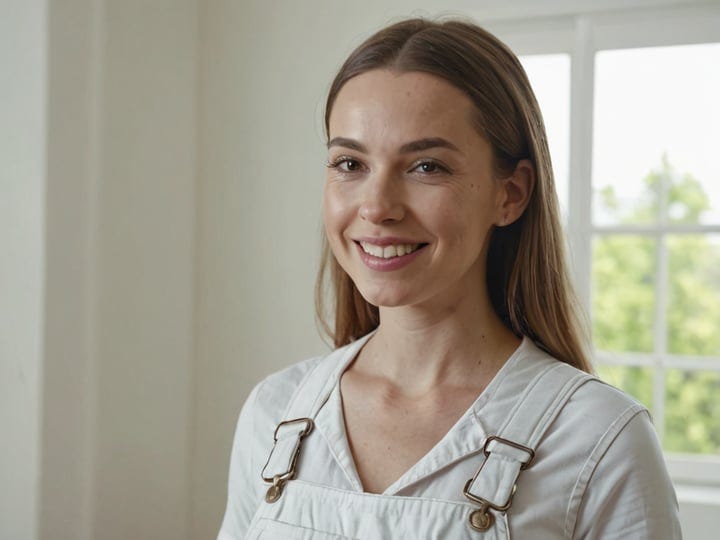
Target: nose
{"x":383,"y":200}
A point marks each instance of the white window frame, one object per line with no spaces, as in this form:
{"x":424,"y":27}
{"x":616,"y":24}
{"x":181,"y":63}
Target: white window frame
{"x":581,"y":35}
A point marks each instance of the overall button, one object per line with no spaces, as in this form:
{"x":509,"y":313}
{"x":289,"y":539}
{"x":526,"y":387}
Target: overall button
{"x":274,"y":491}
{"x":481,"y":520}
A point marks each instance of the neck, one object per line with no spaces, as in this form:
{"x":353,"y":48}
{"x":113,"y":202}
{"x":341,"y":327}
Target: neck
{"x":420,"y":348}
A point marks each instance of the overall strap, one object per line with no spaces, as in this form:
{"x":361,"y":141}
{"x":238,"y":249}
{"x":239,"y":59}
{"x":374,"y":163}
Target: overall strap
{"x":307,"y":400}
{"x":512,"y":448}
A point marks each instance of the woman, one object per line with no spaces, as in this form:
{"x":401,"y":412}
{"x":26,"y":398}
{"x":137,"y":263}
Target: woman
{"x":459,"y":401}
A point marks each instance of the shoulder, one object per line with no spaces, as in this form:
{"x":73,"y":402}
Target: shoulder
{"x":594,"y":402}
{"x":608,"y":418}
{"x":595,"y":417}
{"x":599,"y":418}
{"x":602,"y":451}
{"x":271,"y":397}
{"x":597,"y":414}
{"x":623,"y":489}
{"x":275,"y":396}
{"x":599,"y":403}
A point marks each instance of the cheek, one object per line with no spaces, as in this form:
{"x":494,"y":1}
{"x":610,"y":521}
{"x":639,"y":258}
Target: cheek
{"x":468,"y":227}
{"x":336,"y":210}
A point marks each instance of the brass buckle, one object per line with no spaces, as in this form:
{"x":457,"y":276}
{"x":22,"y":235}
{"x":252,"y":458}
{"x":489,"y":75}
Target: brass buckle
{"x":481,"y":519}
{"x":530,"y":451}
{"x":278,"y":481}
{"x":485,"y":503}
{"x":308,"y":426}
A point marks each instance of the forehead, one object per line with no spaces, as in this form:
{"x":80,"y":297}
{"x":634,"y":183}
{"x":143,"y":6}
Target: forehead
{"x":385,"y":100}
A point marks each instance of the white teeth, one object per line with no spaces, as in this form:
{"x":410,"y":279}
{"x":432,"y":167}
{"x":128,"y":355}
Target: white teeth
{"x":388,"y":252}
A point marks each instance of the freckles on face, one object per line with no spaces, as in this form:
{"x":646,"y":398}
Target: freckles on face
{"x":407,"y":167}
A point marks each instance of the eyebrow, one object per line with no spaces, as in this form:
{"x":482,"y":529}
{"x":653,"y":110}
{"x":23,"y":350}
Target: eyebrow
{"x":407,"y":148}
{"x":352,"y":144}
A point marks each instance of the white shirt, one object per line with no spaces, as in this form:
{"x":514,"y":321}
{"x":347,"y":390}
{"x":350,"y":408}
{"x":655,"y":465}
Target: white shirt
{"x":598,"y":473}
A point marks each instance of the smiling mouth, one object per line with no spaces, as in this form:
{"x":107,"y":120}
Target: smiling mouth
{"x":391,"y":251}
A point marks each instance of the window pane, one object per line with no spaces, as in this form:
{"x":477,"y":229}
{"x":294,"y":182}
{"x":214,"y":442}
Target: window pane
{"x":693,"y":317}
{"x":692,"y":411}
{"x":623,"y":292}
{"x":657,"y":115}
{"x":550,"y":78}
{"x":636,"y":381}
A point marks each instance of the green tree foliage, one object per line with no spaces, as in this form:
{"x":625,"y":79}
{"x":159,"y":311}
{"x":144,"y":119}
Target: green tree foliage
{"x":624,"y":285}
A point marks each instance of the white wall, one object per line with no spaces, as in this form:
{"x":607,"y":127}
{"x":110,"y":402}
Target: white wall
{"x":71,"y":177}
{"x":145,"y":244}
{"x":98,"y":102}
{"x":22,"y":259}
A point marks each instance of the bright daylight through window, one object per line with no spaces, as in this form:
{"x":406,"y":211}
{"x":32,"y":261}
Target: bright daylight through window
{"x":655,"y":226}
{"x":656,"y":261}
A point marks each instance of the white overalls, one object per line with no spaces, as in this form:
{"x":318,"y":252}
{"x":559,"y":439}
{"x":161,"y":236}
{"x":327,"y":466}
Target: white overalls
{"x":489,"y":478}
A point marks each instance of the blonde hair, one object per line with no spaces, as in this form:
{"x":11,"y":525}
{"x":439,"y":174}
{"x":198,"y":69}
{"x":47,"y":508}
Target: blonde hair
{"x":527,"y":276}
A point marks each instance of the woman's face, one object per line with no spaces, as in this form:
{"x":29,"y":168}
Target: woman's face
{"x":410,"y":197}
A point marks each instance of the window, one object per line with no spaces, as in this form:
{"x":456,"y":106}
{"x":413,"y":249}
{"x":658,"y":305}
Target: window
{"x":639,"y":136}
{"x":550,"y":76}
{"x":655,"y":261}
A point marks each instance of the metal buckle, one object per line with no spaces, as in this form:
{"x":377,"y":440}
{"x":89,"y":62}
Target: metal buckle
{"x":485,"y":503}
{"x":530,"y":451}
{"x":277,"y":479}
{"x":308,"y":426}
{"x":481,"y":519}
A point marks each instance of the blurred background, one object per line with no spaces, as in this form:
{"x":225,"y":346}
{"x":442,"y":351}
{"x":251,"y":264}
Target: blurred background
{"x":161,"y":167}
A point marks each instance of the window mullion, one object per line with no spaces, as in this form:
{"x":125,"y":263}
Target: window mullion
{"x":661,"y":301}
{"x":580,"y":185}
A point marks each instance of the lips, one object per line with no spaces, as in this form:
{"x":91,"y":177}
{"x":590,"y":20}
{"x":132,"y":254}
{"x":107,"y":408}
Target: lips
{"x":387,"y":254}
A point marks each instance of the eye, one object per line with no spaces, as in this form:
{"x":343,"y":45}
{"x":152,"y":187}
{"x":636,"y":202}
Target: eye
{"x":429,"y":167}
{"x":350,"y":165}
{"x":345,"y":164}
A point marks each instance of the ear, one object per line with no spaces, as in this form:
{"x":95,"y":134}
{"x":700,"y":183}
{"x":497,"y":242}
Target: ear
{"x":515,"y":192}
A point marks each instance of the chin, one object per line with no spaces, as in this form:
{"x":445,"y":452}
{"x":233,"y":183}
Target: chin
{"x":388,"y":297}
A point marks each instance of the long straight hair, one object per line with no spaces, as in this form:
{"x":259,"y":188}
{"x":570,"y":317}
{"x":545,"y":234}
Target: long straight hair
{"x":527,"y":275}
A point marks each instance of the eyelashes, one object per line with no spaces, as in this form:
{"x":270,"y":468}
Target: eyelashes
{"x":345,"y":164}
{"x":430,"y":167}
{"x":424,"y":167}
